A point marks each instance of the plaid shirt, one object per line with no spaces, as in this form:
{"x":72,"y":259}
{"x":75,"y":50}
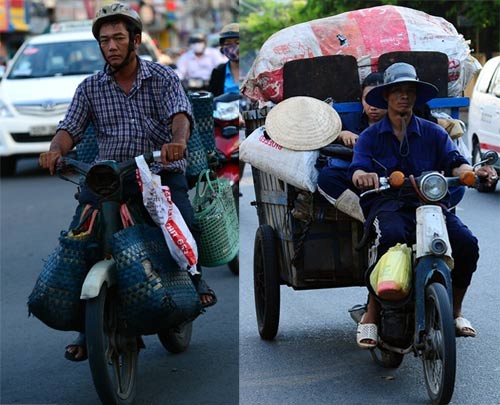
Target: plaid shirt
{"x":127,"y":125}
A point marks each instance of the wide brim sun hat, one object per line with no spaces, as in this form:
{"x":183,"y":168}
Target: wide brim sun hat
{"x":303,"y":123}
{"x":401,"y":73}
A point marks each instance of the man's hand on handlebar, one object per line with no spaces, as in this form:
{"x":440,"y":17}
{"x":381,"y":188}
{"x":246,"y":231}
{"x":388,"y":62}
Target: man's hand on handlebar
{"x":488,"y":173}
{"x":170,"y":152}
{"x":48,"y":160}
{"x":363,"y":180}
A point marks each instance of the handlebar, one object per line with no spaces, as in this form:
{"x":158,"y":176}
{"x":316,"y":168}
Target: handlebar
{"x":397,"y":180}
{"x":83,"y":168}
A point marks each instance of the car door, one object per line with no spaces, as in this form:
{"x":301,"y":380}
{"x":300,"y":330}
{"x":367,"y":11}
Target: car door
{"x":489,"y":113}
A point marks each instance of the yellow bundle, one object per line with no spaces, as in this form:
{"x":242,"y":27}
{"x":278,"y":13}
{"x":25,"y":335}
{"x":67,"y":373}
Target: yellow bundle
{"x":391,"y":277}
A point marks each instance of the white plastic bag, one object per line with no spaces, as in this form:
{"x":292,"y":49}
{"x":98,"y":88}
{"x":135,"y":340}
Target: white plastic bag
{"x":294,"y":167}
{"x":158,"y":202}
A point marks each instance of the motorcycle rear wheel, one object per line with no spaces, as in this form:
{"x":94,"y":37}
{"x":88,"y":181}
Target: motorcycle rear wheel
{"x":177,"y":340}
{"x":112,"y":357}
{"x":439,"y":354}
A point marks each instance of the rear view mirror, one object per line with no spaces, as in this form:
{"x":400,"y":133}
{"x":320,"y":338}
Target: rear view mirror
{"x":491,"y":156}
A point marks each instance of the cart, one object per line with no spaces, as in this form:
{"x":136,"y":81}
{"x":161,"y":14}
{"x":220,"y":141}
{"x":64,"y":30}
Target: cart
{"x":322,"y":250}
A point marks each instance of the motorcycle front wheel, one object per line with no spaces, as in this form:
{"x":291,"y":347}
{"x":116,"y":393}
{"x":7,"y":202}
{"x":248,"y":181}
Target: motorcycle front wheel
{"x":112,"y":357}
{"x":439,"y":354}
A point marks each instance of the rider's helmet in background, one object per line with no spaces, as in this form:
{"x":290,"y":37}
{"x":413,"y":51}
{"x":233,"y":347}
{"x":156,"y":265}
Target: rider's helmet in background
{"x":117,"y":12}
{"x":229,"y":31}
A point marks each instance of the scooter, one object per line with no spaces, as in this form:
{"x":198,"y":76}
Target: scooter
{"x":422,"y":323}
{"x":227,"y":139}
{"x":227,"y":144}
{"x":113,"y":354}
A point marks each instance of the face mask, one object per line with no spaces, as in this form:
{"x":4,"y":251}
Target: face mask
{"x":232,"y":52}
{"x":198,"y":47}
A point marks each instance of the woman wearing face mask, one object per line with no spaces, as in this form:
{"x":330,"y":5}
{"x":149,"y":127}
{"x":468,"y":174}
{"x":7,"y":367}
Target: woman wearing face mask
{"x":199,"y":61}
{"x":225,"y":77}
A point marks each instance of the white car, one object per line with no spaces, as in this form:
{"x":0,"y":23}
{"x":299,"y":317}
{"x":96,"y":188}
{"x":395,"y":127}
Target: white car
{"x":483,"y":132}
{"x":38,"y":85}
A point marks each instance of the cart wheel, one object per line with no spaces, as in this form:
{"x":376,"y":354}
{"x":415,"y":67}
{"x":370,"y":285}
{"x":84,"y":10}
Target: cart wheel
{"x":439,"y":354}
{"x":266,"y":283}
{"x":386,"y":358}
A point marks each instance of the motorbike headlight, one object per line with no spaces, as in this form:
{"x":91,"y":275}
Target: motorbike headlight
{"x":433,"y":186}
{"x":103,"y":180}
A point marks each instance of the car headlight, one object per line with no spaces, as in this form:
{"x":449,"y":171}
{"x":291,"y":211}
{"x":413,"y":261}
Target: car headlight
{"x":433,"y":186}
{"x":4,"y":110}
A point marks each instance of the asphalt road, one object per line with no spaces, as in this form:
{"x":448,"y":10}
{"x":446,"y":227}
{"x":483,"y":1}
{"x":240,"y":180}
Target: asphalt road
{"x":34,"y":207}
{"x":314,"y":358}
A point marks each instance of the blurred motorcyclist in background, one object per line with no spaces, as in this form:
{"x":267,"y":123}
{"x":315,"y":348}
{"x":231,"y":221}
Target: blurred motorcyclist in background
{"x":199,"y":61}
{"x":225,"y":77}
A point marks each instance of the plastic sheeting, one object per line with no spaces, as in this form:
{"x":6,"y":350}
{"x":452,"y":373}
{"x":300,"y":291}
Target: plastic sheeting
{"x":365,"y":34}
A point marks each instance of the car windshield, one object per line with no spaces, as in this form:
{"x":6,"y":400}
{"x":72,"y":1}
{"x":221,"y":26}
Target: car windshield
{"x":57,"y":59}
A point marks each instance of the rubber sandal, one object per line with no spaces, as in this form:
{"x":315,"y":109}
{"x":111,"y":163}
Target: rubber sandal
{"x":79,"y":341}
{"x":367,"y":331}
{"x":203,"y":289}
{"x":464,"y":328}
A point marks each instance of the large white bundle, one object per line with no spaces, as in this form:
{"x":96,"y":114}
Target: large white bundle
{"x":291,"y":166}
{"x":365,"y":34}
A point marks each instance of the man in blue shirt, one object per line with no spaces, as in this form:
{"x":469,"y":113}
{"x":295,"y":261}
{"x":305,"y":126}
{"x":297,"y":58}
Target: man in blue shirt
{"x":402,"y":141}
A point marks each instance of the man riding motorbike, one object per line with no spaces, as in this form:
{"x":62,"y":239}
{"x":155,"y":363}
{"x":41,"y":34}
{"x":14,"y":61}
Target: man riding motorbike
{"x":136,"y":106}
{"x":402,"y":141}
{"x":198,"y":62}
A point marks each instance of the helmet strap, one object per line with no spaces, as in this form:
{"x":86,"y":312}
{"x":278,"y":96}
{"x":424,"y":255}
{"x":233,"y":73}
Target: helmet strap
{"x":131,"y":47}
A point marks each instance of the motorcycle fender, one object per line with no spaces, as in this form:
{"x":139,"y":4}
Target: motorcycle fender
{"x":428,"y":269}
{"x":100,"y":273}
{"x":430,"y":226}
{"x":230,"y":171}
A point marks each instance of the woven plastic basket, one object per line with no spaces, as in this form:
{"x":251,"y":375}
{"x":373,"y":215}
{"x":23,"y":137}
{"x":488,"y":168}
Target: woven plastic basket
{"x":55,"y":298}
{"x":216,"y":215}
{"x":88,"y":149}
{"x":155,"y":294}
{"x":197,"y":156}
{"x":203,"y":110}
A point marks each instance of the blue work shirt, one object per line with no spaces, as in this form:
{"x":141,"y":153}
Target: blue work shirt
{"x":230,"y":85}
{"x":428,"y":148}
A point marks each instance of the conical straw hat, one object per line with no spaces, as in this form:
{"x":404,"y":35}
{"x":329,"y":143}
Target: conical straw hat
{"x":303,"y":123}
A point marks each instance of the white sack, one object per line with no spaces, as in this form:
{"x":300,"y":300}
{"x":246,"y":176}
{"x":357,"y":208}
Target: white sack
{"x":293,"y":167}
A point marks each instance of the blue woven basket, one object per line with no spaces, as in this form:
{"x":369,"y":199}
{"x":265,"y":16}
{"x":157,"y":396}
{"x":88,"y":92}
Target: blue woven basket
{"x":203,"y":110}
{"x":88,"y":148}
{"x":55,"y":299}
{"x":197,"y":155}
{"x":155,"y":294}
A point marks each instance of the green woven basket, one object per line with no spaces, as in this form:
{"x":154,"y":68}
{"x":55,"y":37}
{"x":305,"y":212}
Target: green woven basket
{"x":216,"y":215}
